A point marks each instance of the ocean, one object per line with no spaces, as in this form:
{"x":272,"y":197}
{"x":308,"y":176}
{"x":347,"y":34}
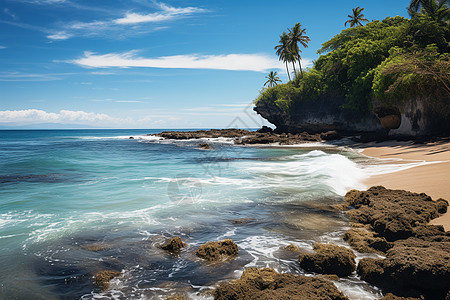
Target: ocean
{"x":63,"y":190}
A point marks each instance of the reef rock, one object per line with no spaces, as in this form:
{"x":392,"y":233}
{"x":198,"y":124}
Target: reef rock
{"x":365,"y":241}
{"x":215,"y":251}
{"x":102,"y":278}
{"x":393,"y":213}
{"x":174,"y":245}
{"x":329,"y":259}
{"x":268,"y":284}
{"x":412,"y":267}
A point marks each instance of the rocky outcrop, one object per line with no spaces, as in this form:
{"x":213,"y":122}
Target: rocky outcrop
{"x":217,"y":251}
{"x":316,"y":116}
{"x":174,"y":245}
{"x":268,"y":284}
{"x":410,"y":118}
{"x":102,"y":278}
{"x":329,"y":259}
{"x":393,"y":213}
{"x":417,"y":259}
{"x":412,"y":267}
{"x":245,"y":137}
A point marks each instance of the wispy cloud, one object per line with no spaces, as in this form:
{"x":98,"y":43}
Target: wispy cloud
{"x":2,"y":47}
{"x":59,"y":36}
{"x":235,"y":62}
{"x":167,"y":13}
{"x":128,"y":24}
{"x":16,"y":76}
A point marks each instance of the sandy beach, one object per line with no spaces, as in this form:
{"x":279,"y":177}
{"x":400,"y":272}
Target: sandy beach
{"x":432,"y":179}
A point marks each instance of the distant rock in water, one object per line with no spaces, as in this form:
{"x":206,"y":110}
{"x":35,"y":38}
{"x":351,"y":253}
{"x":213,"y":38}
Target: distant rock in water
{"x":174,"y":245}
{"x":204,"y":146}
{"x":266,"y":283}
{"x":102,"y":278}
{"x":241,"y":221}
{"x":329,"y":259}
{"x":265,"y":129}
{"x":96,"y":247}
{"x":243,"y":137}
{"x":291,"y":248}
{"x":216,"y":251}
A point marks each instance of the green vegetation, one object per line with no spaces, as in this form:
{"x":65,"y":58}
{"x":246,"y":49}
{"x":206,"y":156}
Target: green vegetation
{"x":356,"y":17}
{"x":383,"y":62}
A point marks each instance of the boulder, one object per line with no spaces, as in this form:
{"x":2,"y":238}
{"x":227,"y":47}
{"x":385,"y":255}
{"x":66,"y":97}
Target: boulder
{"x":392,"y":213}
{"x":291,"y":248}
{"x":216,"y":251}
{"x":268,"y":284}
{"x":412,"y":267}
{"x":102,"y":278}
{"x":265,"y":129}
{"x":329,"y":259}
{"x":174,"y":245}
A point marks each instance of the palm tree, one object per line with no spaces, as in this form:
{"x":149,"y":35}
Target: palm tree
{"x":272,"y":79}
{"x":284,"y":51}
{"x":297,"y":36}
{"x":436,"y":9}
{"x":357,"y":17}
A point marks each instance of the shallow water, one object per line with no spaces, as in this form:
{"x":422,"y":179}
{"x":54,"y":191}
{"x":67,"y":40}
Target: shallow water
{"x":61,"y":190}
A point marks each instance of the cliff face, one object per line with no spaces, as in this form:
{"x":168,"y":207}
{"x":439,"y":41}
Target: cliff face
{"x":318,"y":116}
{"x":417,"y":117}
{"x":421,"y":116}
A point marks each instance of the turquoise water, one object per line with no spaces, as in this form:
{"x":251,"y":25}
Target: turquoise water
{"x":61,"y":190}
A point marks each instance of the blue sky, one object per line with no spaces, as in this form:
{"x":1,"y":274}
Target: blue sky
{"x":153,"y":64}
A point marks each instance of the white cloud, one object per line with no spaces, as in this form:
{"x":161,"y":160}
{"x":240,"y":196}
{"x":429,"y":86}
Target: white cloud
{"x":167,"y":13}
{"x":119,"y":27}
{"x":236,"y":62}
{"x":32,"y":116}
{"x":2,"y":47}
{"x":59,"y":36}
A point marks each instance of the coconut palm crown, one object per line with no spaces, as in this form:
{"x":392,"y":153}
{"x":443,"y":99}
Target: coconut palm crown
{"x":284,"y":51}
{"x":297,"y":36}
{"x":272,"y":79}
{"x":437,"y":10}
{"x":356,"y":17}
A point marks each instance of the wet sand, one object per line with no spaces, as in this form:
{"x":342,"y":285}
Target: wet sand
{"x":432,"y":179}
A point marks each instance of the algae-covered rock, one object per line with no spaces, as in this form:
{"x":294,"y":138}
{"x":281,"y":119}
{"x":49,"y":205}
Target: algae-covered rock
{"x":174,"y":245}
{"x":215,"y":251}
{"x":329,"y":259}
{"x":390,"y":296}
{"x":414,"y":264}
{"x":392,"y":213}
{"x":97,"y":247}
{"x":291,"y":248}
{"x":102,"y":278}
{"x":365,"y":241}
{"x":267,"y":284}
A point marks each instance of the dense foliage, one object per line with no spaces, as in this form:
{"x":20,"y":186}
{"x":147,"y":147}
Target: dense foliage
{"x":384,"y":61}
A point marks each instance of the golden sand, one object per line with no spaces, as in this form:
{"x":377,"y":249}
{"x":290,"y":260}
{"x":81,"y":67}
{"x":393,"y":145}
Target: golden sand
{"x":432,"y":179}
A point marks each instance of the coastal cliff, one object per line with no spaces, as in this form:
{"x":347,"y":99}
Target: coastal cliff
{"x":390,"y":75}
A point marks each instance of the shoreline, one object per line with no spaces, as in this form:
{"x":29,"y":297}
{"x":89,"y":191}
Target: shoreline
{"x":431,"y":179}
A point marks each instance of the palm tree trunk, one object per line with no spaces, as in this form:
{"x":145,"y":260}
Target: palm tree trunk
{"x":287,"y":70}
{"x":295,"y":72}
{"x":300,"y":65}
